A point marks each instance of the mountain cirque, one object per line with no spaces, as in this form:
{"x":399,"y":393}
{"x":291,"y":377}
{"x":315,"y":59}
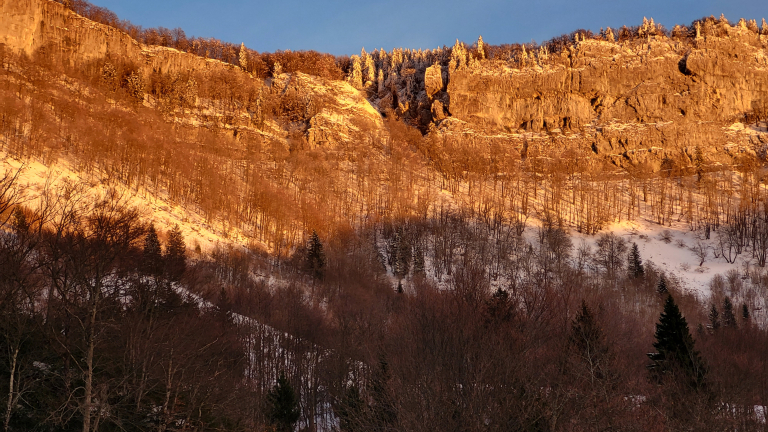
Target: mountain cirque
{"x":648,"y":98}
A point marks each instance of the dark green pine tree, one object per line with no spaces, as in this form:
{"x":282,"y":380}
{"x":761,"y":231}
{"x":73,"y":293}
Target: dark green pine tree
{"x":635,"y":264}
{"x":404,"y":255}
{"x":499,"y":307}
{"x":729,"y":318}
{"x":315,"y":257}
{"x":175,"y":254}
{"x":152,"y":255}
{"x":393,"y":249}
{"x":745,"y":313}
{"x":418,"y":260}
{"x":383,"y":411}
{"x":661,"y":287}
{"x":282,"y":405}
{"x":351,"y":410}
{"x":400,"y":253}
{"x":714,"y":318}
{"x":676,"y":356}
{"x":587,"y":340}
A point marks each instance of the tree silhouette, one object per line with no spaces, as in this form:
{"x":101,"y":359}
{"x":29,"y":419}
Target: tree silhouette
{"x":282,"y":405}
{"x":714,"y":318}
{"x":242,"y":57}
{"x":383,"y":408}
{"x":585,"y":332}
{"x":315,"y":256}
{"x":400,"y":253}
{"x":175,"y":254}
{"x":588,"y":342}
{"x":635,"y":264}
{"x":351,"y":410}
{"x":152,"y":257}
{"x":661,"y":287}
{"x":675,"y":354}
{"x":729,"y":318}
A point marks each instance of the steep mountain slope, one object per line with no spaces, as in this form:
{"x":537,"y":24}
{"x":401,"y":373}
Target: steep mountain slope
{"x":150,"y":117}
{"x":267,"y":161}
{"x":468,"y":207}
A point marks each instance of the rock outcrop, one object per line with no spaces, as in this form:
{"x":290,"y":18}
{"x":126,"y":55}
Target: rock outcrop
{"x":336,"y":112}
{"x":46,"y":27}
{"x":621,"y":99}
{"x":630,"y":96}
{"x":716,"y":80}
{"x":640,"y":99}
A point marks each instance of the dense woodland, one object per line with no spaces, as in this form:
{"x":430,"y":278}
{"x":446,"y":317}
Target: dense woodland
{"x":365,"y":300}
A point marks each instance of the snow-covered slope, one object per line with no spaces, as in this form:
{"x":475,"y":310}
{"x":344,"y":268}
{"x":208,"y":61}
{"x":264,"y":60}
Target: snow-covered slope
{"x":35,"y":177}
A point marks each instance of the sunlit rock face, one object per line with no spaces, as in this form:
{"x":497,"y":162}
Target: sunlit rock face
{"x":637,"y":100}
{"x":634,"y":100}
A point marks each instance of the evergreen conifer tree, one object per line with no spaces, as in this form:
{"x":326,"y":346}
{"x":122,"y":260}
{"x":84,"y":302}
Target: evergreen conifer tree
{"x":587,"y":339}
{"x":499,"y":307}
{"x":480,"y":48}
{"x":729,"y":318}
{"x":698,"y":162}
{"x":175,"y":254}
{"x":661,"y":287}
{"x":282,"y":405}
{"x":418,"y":260}
{"x":152,"y":255}
{"x":676,"y":356}
{"x":19,"y":221}
{"x":242,"y":57}
{"x":714,"y":318}
{"x":392,"y":249}
{"x":404,"y":256}
{"x":745,"y":313}
{"x":635,"y":264}
{"x":315,"y":256}
{"x":400,"y":254}
{"x":351,"y":411}
{"x":382,"y":409}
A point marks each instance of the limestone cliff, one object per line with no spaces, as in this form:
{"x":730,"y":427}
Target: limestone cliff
{"x":336,"y":111}
{"x":648,"y":97}
{"x":621,"y":98}
{"x":31,"y":25}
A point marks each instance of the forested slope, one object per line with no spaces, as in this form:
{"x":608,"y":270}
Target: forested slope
{"x":399,"y":231}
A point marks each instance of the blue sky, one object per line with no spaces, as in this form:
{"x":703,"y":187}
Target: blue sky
{"x":344,"y":26}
